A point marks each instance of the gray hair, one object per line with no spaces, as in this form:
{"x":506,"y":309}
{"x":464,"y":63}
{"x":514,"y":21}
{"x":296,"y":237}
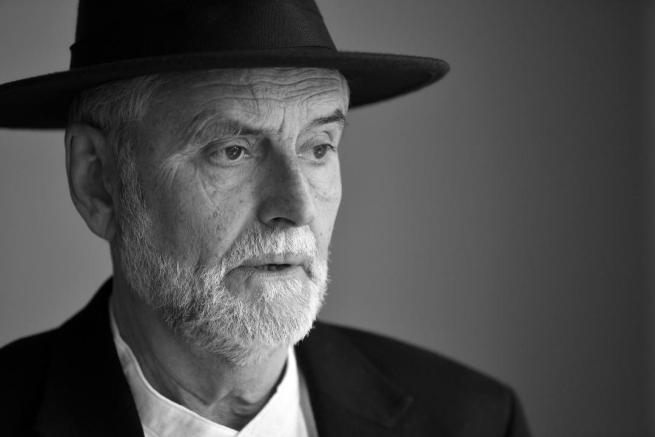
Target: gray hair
{"x":112,"y":107}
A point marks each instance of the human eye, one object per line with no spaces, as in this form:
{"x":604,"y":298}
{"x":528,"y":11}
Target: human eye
{"x":318,"y":153}
{"x":228,"y":153}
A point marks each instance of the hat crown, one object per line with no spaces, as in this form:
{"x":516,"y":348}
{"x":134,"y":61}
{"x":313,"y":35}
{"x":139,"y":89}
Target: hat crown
{"x":117,"y":30}
{"x":121,"y":39}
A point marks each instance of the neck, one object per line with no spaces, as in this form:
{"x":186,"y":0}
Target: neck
{"x":207,"y":384}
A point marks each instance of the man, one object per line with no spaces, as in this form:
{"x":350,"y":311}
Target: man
{"x":201,"y":144}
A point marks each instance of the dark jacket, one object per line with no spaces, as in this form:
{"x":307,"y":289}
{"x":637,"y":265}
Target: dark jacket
{"x":68,"y":382}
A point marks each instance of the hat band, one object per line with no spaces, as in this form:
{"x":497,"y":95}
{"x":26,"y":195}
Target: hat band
{"x":263,"y":25}
{"x":85,"y":55}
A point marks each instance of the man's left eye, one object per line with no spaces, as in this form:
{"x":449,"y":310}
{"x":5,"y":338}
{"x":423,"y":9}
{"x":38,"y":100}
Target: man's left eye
{"x":319,"y":152}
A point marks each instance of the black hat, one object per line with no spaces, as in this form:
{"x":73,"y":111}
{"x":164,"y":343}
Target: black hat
{"x":119,"y":39}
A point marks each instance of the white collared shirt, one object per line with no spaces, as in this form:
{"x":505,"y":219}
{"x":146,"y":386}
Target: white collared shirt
{"x":284,"y":415}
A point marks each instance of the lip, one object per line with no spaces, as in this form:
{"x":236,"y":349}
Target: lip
{"x":247,"y":274}
{"x":291,"y":260}
{"x":255,"y":271}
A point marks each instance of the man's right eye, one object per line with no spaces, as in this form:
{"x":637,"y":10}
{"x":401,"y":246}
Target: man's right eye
{"x":228,"y":154}
{"x":233,"y":153}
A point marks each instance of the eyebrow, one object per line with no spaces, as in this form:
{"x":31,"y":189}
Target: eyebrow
{"x":336,"y":117}
{"x":203,"y":123}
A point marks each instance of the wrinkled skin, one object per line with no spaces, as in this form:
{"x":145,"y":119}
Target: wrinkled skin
{"x":223,"y":151}
{"x":217,"y":153}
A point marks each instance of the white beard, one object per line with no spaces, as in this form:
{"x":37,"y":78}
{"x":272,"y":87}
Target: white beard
{"x":196,"y":302}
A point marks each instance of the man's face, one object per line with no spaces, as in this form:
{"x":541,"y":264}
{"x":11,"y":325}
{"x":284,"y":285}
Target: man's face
{"x":227,"y":229}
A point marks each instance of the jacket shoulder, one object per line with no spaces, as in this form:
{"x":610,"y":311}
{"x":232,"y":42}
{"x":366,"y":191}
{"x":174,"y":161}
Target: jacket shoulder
{"x":454,"y":394}
{"x":407,"y":362}
{"x":23,"y":367}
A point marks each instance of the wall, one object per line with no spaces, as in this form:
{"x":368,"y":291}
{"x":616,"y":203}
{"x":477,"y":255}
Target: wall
{"x":500,"y":217}
{"x":649,"y":35}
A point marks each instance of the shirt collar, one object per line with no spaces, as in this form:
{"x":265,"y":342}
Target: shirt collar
{"x":281,"y":416}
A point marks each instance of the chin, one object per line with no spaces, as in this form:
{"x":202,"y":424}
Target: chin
{"x":239,"y":322}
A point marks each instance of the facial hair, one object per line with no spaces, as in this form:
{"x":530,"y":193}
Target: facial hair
{"x":196,"y":302}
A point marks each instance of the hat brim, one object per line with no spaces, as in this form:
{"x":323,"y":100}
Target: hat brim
{"x":42,"y":102}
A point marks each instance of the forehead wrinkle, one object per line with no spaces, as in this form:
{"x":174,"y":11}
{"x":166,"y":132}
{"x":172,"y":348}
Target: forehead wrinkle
{"x":270,"y":119}
{"x":207,"y":122}
{"x":308,"y":96}
{"x":244,"y":82}
{"x":255,"y":102}
{"x":217,"y":119}
{"x":299,"y":87}
{"x":285,"y":86}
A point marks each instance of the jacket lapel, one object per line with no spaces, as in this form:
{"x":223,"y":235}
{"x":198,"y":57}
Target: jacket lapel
{"x":86,"y":393}
{"x":347,"y":393}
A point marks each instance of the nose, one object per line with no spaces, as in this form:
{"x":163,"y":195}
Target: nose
{"x":286,"y":195}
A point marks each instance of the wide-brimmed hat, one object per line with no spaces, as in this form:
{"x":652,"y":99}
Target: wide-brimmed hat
{"x":119,"y":39}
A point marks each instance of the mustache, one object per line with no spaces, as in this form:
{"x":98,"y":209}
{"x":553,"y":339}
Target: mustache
{"x":259,"y":241}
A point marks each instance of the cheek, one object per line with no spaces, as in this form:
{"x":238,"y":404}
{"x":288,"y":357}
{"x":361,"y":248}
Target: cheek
{"x":199,"y":218}
{"x":327,"y":196}
{"x":325,"y":183}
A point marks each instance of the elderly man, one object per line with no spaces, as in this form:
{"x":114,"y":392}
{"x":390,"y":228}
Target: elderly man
{"x":202,"y":144}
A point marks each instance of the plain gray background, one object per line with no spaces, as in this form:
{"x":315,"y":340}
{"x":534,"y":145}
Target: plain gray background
{"x":501,"y":217}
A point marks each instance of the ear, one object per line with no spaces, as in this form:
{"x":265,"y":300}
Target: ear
{"x":91,"y":178}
